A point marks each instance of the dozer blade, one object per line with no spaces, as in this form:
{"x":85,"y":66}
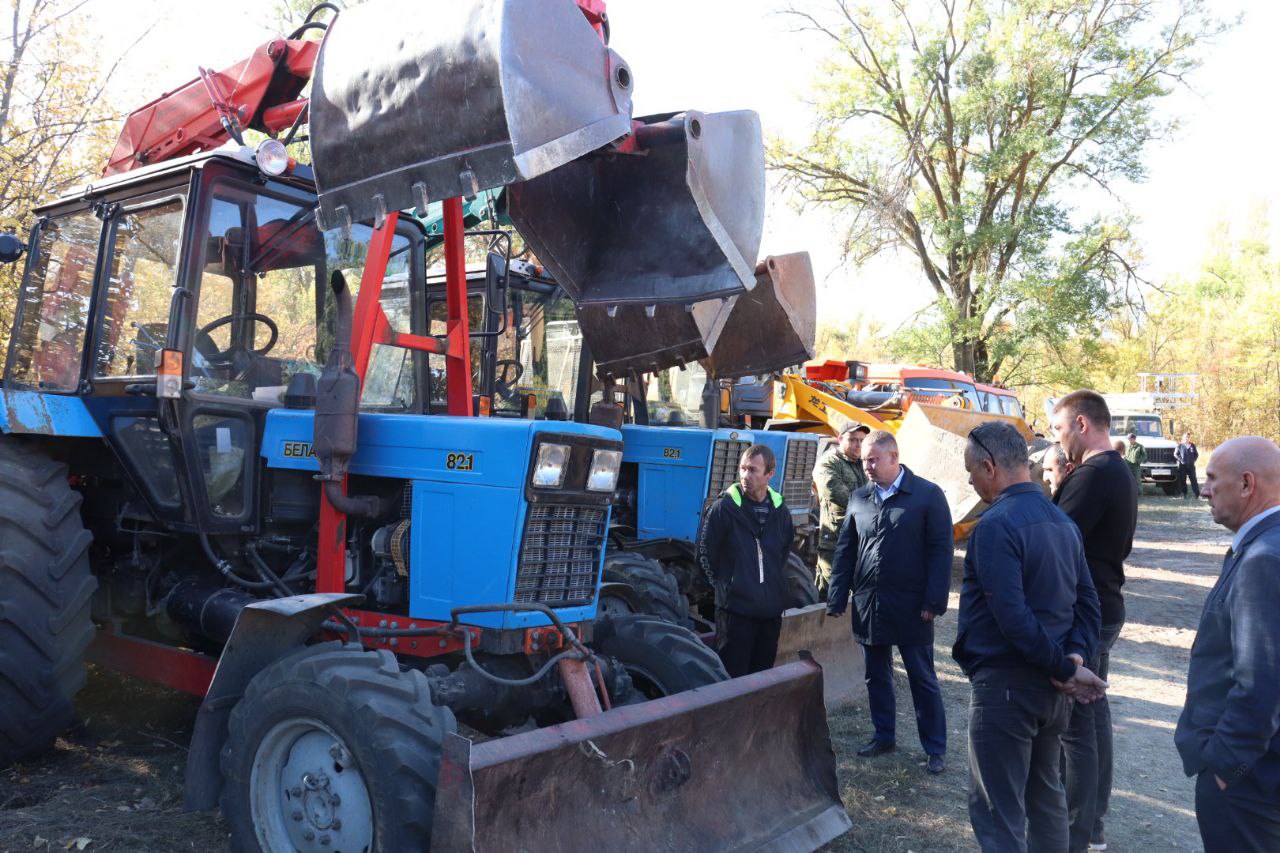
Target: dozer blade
{"x":745,"y":764}
{"x":830,"y":641}
{"x":772,"y":326}
{"x":631,"y":340}
{"x":679,"y":222}
{"x":412,"y":103}
{"x":934,"y":437}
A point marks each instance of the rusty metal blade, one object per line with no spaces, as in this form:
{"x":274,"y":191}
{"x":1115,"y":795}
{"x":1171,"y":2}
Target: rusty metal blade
{"x":745,"y":764}
{"x":830,"y":641}
{"x":412,"y":104}
{"x":680,"y":223}
{"x":772,"y":326}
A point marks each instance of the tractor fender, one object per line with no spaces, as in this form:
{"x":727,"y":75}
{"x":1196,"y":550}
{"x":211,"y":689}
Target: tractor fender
{"x":264,"y":632}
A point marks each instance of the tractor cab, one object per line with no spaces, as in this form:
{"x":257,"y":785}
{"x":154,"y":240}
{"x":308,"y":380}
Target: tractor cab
{"x":211,"y":264}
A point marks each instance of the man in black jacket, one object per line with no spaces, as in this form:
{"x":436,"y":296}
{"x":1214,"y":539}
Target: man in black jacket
{"x":1028,"y":619}
{"x":1229,"y":731}
{"x":1186,"y":454}
{"x":743,"y":547}
{"x":1101,"y":497}
{"x":894,"y":554}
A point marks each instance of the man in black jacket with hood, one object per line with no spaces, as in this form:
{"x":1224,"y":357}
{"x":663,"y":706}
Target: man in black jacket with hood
{"x":743,"y":546}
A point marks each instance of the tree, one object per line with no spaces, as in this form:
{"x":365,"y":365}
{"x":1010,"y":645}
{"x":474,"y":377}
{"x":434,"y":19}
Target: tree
{"x":957,"y":132}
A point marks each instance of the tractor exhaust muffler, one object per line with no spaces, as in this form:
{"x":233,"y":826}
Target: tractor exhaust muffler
{"x":679,"y":219}
{"x":412,"y":104}
{"x":680,"y":773}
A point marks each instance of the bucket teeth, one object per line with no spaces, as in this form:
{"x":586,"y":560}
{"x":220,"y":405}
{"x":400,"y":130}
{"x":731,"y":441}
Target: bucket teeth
{"x":680,"y":221}
{"x":463,"y":99}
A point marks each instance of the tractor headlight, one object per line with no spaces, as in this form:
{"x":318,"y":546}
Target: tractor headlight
{"x":604,"y":470}
{"x":272,"y":157}
{"x":548,"y":471}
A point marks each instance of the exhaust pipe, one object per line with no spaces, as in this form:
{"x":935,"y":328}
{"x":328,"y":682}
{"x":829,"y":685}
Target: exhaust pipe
{"x":337,"y":413}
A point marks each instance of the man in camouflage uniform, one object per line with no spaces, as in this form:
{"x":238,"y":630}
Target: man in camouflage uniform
{"x":835,"y":477}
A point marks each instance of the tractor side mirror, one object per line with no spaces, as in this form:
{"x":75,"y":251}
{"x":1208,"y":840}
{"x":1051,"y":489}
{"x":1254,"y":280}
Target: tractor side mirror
{"x":11,"y":248}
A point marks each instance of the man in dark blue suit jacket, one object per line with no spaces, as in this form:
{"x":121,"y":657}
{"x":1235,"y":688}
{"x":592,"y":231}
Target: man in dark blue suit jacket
{"x":1229,"y":731}
{"x":894,"y":554}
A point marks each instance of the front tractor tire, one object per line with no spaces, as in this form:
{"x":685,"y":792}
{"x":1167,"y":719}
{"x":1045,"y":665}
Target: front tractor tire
{"x":661,"y":658}
{"x":653,"y":591}
{"x":333,"y":748}
{"x":45,"y":592}
{"x":801,"y":591}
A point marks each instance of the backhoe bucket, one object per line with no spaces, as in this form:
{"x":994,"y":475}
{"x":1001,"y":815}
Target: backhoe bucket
{"x":632,"y":340}
{"x":413,"y":103}
{"x":745,"y":764}
{"x":830,"y":641}
{"x":772,"y":326}
{"x":678,"y":222}
{"x":934,"y":438}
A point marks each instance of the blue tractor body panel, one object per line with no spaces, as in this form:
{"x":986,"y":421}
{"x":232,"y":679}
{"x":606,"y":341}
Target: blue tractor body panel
{"x":34,"y":412}
{"x":671,"y":478}
{"x":466,"y":472}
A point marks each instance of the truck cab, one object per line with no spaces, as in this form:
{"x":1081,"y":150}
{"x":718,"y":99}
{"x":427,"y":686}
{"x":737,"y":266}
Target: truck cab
{"x":1160,"y":468}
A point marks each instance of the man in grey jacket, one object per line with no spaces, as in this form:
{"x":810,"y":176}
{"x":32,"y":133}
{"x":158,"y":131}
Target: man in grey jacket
{"x":1229,"y":731}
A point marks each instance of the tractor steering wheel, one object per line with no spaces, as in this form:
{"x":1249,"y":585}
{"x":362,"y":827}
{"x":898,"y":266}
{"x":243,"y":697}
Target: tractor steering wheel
{"x":223,"y":358}
{"x":506,"y":373}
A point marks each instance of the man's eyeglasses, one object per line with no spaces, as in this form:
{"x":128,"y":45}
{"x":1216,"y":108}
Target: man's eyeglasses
{"x":973,"y":436}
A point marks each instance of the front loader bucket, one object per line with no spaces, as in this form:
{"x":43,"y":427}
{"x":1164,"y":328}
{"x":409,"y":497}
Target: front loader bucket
{"x":412,"y":103}
{"x":745,"y":764}
{"x":772,"y":326}
{"x":932,"y":441}
{"x":679,"y":222}
{"x":633,"y":341}
{"x":830,"y":641}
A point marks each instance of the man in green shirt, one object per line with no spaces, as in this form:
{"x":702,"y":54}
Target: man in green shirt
{"x":837,"y":474}
{"x":1135,"y":454}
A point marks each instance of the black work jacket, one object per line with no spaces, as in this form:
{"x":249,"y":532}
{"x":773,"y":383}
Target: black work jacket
{"x":744,"y":559}
{"x":895,"y":558}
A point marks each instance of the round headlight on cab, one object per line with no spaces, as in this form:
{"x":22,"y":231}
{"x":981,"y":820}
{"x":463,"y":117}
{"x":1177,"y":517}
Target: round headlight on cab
{"x":550,"y":467}
{"x":272,"y":157}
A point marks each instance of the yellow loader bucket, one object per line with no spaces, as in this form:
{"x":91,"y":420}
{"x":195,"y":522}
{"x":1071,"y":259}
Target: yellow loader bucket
{"x":931,"y":441}
{"x":830,"y":641}
{"x":746,"y":764}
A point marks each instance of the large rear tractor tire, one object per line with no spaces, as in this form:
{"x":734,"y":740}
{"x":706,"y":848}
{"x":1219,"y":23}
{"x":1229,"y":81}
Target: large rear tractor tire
{"x":661,"y":658}
{"x":333,"y":748}
{"x":801,"y":591}
{"x":45,"y":590}
{"x":654,"y":591}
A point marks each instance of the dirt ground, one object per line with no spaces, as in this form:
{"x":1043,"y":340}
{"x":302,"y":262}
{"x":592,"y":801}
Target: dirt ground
{"x":115,"y":782}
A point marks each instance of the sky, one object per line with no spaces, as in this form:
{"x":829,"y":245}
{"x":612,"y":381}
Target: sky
{"x":716,"y":55}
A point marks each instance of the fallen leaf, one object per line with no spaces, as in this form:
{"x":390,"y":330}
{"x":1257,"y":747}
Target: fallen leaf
{"x":78,"y":843}
{"x":40,"y":843}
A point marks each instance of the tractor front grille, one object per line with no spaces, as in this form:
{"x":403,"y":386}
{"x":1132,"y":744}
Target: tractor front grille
{"x":1160,"y":456}
{"x":724,"y":465}
{"x":797,"y":476}
{"x":560,"y":554}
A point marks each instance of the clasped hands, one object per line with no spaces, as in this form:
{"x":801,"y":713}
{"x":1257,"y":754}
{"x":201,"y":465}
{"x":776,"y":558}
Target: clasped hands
{"x":1084,"y":686}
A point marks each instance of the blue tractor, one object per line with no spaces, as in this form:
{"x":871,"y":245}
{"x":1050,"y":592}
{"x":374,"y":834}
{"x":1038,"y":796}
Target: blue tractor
{"x":240,"y":456}
{"x":534,"y":362}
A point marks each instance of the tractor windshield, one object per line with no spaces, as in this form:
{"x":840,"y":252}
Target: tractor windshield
{"x":539,"y":352}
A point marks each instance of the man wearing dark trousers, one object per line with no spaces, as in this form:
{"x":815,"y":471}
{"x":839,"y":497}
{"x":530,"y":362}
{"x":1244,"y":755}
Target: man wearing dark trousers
{"x":1186,"y":454}
{"x":743,"y":546}
{"x":1228,"y":733}
{"x":1028,"y":619}
{"x":1101,"y":497}
{"x":894,"y":554}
